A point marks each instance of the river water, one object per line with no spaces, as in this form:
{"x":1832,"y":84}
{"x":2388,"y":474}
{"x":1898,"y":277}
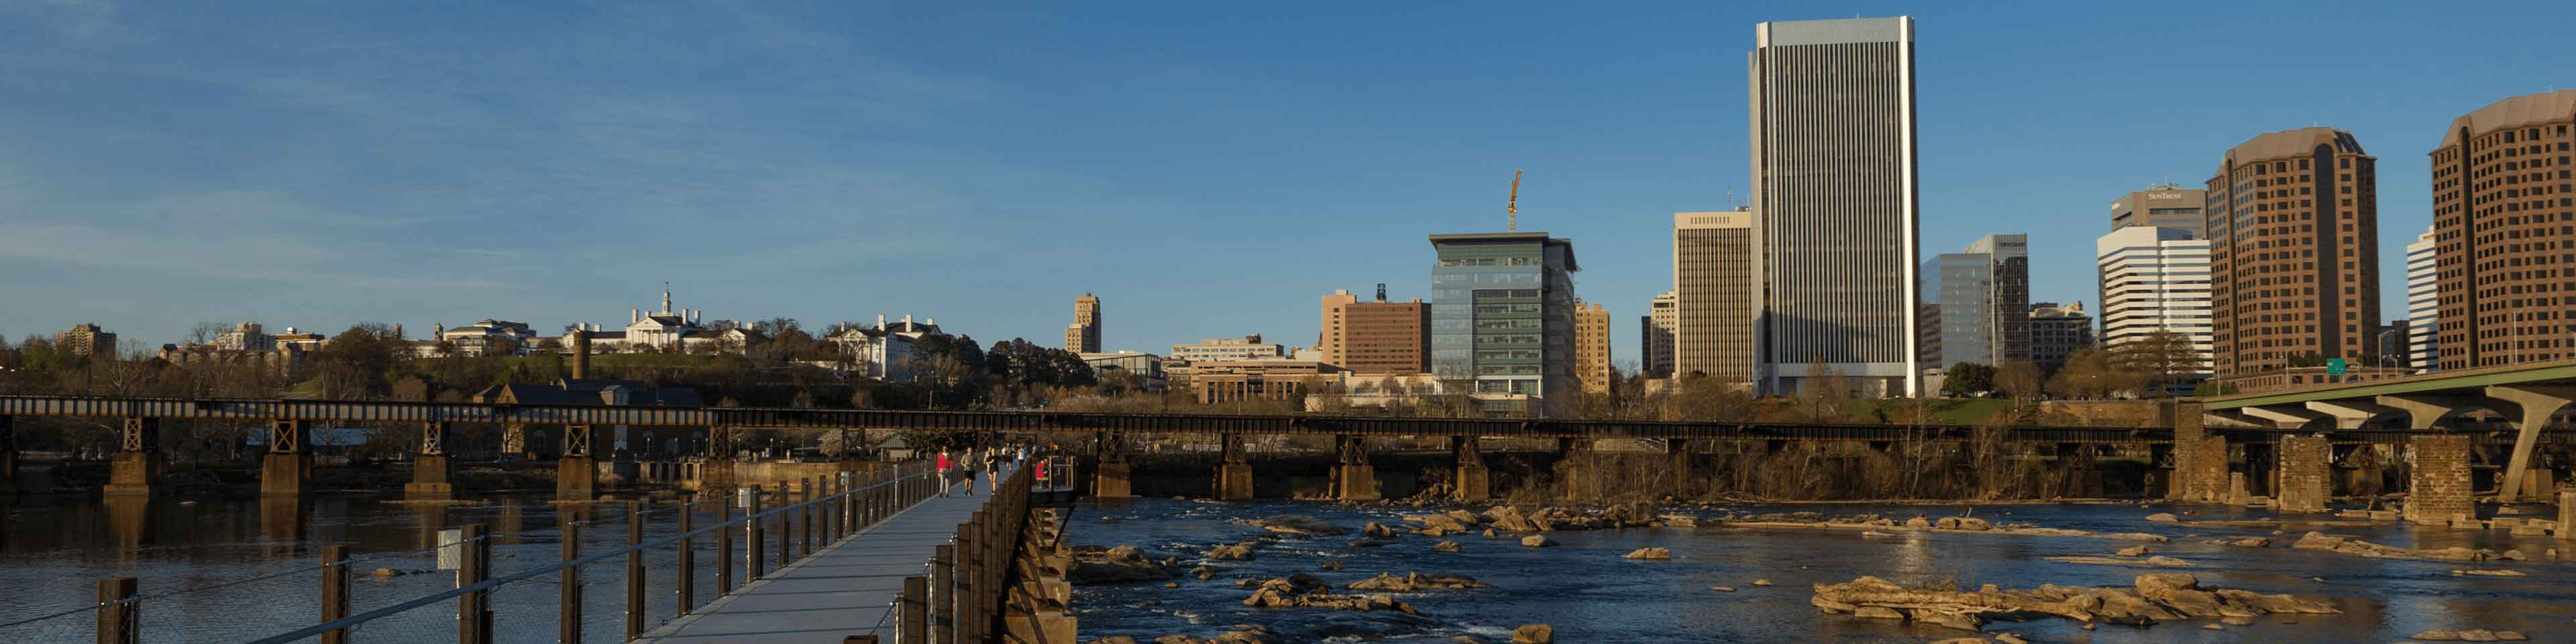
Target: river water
{"x":201,"y":564}
{"x":1592,"y":596}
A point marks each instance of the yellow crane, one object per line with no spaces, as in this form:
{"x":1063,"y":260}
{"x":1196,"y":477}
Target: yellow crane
{"x":1512,"y":207}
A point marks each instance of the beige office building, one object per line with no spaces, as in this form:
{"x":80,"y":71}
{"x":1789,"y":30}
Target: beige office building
{"x":1656,"y":330}
{"x":2164,"y":206}
{"x":1714,"y":303}
{"x":1379,"y":337}
{"x":1592,"y":347}
{"x":86,"y":340}
{"x":1083,"y":336}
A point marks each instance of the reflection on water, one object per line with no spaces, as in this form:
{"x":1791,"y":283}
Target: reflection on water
{"x":1590,"y":594}
{"x":54,"y":549}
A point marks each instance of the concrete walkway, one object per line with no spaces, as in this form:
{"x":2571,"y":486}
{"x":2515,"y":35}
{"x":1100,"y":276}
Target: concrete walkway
{"x":846,"y":589}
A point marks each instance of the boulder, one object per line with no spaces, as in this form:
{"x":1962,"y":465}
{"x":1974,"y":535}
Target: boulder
{"x":1236,"y":552}
{"x":1877,"y":612}
{"x":1335,"y":564}
{"x":2163,"y":517}
{"x":1296,"y":524}
{"x":1534,"y":634}
{"x":1414,"y":581}
{"x":1657,"y":554}
{"x":1372,"y":543}
{"x":2135,"y":551}
{"x":1761,"y":582}
{"x":1375,"y":530}
{"x":1963,"y":523}
{"x":1445,"y":546}
{"x":2248,"y":542}
{"x":1918,"y":522}
{"x":1537,"y":541}
{"x":1680,"y":521}
{"x":1122,"y":564}
{"x":1722,"y":589}
{"x":2152,"y":584}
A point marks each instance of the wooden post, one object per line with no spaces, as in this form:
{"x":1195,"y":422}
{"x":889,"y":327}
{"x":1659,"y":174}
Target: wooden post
{"x":335,"y":592}
{"x":752,"y":557}
{"x":724,"y":545}
{"x":805,"y":532}
{"x":970,"y":576}
{"x":912,"y":617}
{"x":786,"y":531}
{"x":688,"y":558}
{"x":634,"y":570}
{"x":119,"y":615}
{"x":568,"y":601}
{"x":942,"y":601}
{"x":473,"y":614}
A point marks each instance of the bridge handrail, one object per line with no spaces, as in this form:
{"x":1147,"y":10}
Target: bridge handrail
{"x":557,"y":567}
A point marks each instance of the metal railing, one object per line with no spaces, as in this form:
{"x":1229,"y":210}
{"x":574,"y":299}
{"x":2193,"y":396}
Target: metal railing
{"x":960,"y":597}
{"x":774,"y":526}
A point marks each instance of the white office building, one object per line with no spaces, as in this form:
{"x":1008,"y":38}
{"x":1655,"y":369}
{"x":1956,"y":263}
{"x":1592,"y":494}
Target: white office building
{"x":2423,"y":306}
{"x":2155,"y":279}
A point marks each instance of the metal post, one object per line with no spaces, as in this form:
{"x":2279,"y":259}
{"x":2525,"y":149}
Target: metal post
{"x":568,"y":609}
{"x":119,"y":615}
{"x":688,"y":558}
{"x":634,"y":570}
{"x":335,"y":592}
{"x":724,"y":545}
{"x":473,"y":617}
{"x":752,"y":557}
{"x":912,"y":618}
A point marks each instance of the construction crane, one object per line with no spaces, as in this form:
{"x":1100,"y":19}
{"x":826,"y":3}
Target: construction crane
{"x":1512,"y":207}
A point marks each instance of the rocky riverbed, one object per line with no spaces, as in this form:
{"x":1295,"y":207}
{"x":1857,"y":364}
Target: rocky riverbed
{"x":1193,"y":571}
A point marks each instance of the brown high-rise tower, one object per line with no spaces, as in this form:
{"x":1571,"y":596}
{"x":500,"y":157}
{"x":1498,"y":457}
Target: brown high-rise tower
{"x":2501,"y":207}
{"x":2293,"y":221}
{"x":1083,"y":336}
{"x":1378,"y":337}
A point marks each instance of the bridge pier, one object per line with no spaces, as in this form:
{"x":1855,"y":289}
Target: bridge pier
{"x":287,"y":469}
{"x":2567,"y":515}
{"x":1579,"y":467}
{"x":1354,"y":479}
{"x":2303,"y":475}
{"x":2437,"y":479}
{"x":715,"y":474}
{"x":1475,"y":481}
{"x":2200,"y":459}
{"x":137,"y":464}
{"x":2076,"y":461}
{"x":8,"y":456}
{"x":576,"y":473}
{"x":1233,"y":469}
{"x":1679,"y":463}
{"x":431,"y":479}
{"x":1113,"y":477}
{"x":2537,"y":405}
{"x":514,"y":441}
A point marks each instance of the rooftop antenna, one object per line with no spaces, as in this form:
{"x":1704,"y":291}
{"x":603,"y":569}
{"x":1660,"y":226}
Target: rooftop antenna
{"x":1513,"y":206}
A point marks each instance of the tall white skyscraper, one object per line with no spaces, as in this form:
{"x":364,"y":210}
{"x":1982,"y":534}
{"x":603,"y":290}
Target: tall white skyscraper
{"x":1834,"y":173}
{"x":2423,"y":305}
{"x":2155,"y":279}
{"x":1658,"y":327}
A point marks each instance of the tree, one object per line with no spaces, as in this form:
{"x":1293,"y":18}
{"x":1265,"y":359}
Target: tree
{"x":2018,"y":379}
{"x":358,"y":362}
{"x":1826,"y":395}
{"x":2088,"y":374}
{"x":2161,"y":358}
{"x":1967,"y":379}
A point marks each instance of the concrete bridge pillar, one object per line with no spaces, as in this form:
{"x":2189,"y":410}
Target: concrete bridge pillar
{"x":1579,"y":467}
{"x":2200,"y":458}
{"x":137,"y":464}
{"x":1475,"y":481}
{"x":2160,"y":476}
{"x":2437,"y":479}
{"x":576,"y":472}
{"x":715,"y":474}
{"x":1233,"y":469}
{"x":1111,"y":478}
{"x":2567,"y":515}
{"x":2303,"y":474}
{"x":431,"y":478}
{"x":1680,"y":463}
{"x":287,"y":469}
{"x":1354,"y":479}
{"x":2077,"y":461}
{"x":8,"y":455}
{"x":2537,"y":405}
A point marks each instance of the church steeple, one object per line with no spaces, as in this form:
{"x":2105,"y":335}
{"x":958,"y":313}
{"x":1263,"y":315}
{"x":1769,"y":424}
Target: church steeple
{"x":666,"y":297}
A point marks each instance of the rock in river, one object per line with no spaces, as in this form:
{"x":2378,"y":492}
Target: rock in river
{"x":1116,"y":565}
{"x":1657,"y":554}
{"x":1534,"y":634}
{"x":1295,"y":524}
{"x":1537,"y":541}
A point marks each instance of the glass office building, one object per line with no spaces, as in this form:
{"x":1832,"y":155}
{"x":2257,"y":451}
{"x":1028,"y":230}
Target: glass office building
{"x":1502,"y":320}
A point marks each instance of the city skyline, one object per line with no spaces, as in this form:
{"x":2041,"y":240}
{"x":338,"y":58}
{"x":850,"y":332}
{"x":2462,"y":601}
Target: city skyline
{"x":317,"y":196}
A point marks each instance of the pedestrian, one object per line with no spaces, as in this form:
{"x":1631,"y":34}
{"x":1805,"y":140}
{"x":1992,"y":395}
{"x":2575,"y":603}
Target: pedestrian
{"x":1041,"y":472}
{"x":944,"y":482}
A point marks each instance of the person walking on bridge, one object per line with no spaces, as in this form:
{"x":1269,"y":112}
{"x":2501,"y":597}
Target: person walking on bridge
{"x":944,"y":482}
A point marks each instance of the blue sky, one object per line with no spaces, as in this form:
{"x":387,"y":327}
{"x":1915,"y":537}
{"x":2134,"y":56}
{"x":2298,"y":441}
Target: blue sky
{"x":1208,"y":169}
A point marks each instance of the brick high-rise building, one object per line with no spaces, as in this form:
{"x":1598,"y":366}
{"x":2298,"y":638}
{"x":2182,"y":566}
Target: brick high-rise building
{"x":2161,"y":207}
{"x":1083,"y":336}
{"x":86,"y":340}
{"x":1656,"y":330}
{"x":2503,"y":252}
{"x":1837,"y":223}
{"x":1592,"y":347}
{"x":1378,"y":337}
{"x":2293,"y":224}
{"x":1715,"y":299}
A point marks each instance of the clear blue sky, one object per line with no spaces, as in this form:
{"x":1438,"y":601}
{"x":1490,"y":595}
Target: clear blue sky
{"x":1208,"y":169}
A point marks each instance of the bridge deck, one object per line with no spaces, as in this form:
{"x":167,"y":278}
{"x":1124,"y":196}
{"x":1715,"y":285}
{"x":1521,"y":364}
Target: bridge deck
{"x":845,"y":589}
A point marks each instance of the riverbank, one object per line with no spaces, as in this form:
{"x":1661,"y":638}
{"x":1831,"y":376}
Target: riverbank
{"x":1752,"y":579}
